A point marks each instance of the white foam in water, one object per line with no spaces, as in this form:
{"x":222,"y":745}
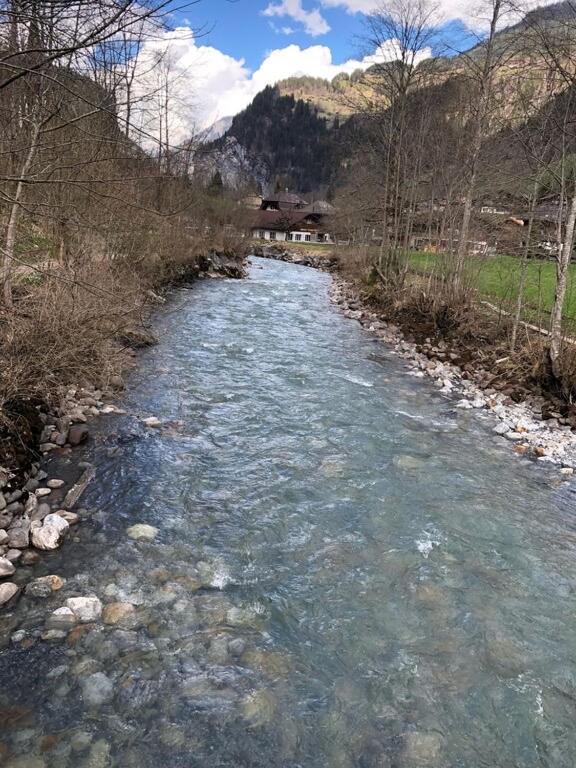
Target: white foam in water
{"x":426,"y":544}
{"x":221,"y":577}
{"x":357,"y":380}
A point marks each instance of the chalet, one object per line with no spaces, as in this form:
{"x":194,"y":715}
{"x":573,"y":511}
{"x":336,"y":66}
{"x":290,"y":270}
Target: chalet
{"x":287,"y":217}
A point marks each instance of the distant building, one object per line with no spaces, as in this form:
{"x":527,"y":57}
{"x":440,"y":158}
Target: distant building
{"x":286,"y":217}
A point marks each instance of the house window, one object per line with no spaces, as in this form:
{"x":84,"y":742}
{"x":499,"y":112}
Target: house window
{"x":289,"y":236}
{"x":298,"y":237}
{"x":272,"y":235}
{"x":307,"y":238}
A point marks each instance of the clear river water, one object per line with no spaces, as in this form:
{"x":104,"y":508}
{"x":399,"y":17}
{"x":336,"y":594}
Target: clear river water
{"x":349,"y":572}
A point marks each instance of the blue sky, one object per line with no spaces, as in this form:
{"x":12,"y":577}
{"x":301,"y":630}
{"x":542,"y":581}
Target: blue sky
{"x":241,"y":30}
{"x":246,"y":45}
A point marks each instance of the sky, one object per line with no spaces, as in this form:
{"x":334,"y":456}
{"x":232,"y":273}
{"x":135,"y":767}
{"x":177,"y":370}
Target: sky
{"x":221,"y":53}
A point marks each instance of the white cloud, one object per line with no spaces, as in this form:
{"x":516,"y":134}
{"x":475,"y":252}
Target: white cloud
{"x":314,"y":23}
{"x":207,"y":84}
{"x":475,"y":14}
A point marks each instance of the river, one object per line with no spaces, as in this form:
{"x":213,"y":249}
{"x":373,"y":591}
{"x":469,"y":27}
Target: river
{"x":349,"y":571}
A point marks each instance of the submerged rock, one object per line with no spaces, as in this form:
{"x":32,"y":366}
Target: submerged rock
{"x":86,"y":609}
{"x":97,"y":689}
{"x":422,"y":749}
{"x":152,"y":421}
{"x":44,"y":586}
{"x":259,"y":708}
{"x":99,"y":755}
{"x":80,"y":741}
{"x":408,"y":462}
{"x":142,"y":532}
{"x":26,"y":761}
{"x":62,"y":619}
{"x":118,"y":613}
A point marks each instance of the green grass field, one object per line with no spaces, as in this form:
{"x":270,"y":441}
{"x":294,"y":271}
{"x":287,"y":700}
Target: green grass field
{"x":497,"y":278}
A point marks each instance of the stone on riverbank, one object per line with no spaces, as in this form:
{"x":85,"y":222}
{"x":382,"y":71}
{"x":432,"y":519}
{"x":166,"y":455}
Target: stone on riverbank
{"x":86,"y":609}
{"x":142,"y":532}
{"x":6,"y":568}
{"x":7,"y":592}
{"x":50,"y":533}
{"x":19,"y":533}
{"x":78,"y":434}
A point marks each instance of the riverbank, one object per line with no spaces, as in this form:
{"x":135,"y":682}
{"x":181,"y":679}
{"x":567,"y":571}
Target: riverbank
{"x":38,"y":509}
{"x":533,"y":425}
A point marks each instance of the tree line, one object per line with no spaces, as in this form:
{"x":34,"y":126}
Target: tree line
{"x":466,"y":155}
{"x":97,"y":201}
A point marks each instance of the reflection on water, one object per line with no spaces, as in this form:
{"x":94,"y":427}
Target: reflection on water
{"x":348,"y":571}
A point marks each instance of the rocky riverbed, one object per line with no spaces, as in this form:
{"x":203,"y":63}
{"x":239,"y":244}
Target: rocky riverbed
{"x":530,"y":426}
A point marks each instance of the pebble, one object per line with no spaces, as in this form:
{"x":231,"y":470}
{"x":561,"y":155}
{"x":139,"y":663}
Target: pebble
{"x":3,"y":537}
{"x":43,"y":492}
{"x":55,"y":483}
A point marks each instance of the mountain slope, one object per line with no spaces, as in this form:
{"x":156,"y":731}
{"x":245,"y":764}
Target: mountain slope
{"x":290,"y":137}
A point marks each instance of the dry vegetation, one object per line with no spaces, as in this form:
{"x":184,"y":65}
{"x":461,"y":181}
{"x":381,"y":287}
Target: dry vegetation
{"x":92,"y":222}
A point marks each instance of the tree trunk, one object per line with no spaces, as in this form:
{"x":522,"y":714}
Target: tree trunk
{"x":562,"y":264}
{"x":524,"y":269}
{"x":12,"y":228}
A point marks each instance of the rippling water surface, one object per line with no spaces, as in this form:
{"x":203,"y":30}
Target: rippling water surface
{"x":348,"y":571}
